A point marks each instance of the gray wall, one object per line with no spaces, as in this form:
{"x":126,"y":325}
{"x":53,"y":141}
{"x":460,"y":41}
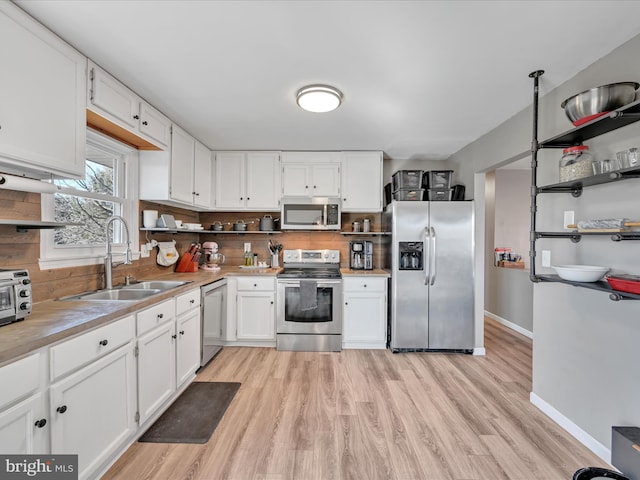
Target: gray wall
{"x":508,"y":292}
{"x":584,"y":354}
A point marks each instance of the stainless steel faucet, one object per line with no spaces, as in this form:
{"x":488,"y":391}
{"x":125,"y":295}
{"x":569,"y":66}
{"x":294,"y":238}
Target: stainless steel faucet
{"x":109,"y":264}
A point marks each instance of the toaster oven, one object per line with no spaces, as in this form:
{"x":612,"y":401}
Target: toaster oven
{"x":15,"y":295}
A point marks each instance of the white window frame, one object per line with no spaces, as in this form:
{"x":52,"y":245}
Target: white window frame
{"x":56,"y":257}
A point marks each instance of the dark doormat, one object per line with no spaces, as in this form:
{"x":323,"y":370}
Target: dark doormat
{"x":194,"y":415}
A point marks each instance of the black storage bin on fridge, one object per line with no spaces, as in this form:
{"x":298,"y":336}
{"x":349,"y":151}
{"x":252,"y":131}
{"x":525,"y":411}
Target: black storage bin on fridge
{"x":407,"y":180}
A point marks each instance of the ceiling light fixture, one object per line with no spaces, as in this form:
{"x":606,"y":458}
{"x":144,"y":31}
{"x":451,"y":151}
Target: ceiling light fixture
{"x":319,"y":98}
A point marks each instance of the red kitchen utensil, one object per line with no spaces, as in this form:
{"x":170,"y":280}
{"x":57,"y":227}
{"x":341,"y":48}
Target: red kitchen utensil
{"x":625,"y":283}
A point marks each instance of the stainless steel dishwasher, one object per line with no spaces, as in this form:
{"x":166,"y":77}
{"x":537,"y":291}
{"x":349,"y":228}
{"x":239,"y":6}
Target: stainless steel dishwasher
{"x":214,"y":319}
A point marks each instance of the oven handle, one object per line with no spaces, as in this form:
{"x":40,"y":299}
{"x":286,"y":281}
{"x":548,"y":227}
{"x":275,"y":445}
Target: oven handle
{"x":322,"y":283}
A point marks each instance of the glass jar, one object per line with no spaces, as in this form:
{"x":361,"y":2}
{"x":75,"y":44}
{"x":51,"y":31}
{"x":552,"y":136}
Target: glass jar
{"x":576,"y":162}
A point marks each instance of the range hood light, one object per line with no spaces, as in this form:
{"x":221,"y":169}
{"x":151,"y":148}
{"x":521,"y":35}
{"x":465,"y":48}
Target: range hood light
{"x":319,"y":98}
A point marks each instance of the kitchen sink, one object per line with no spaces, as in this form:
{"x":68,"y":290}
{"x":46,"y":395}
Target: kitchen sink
{"x":136,"y":291}
{"x":119,"y":294}
{"x":155,"y":285}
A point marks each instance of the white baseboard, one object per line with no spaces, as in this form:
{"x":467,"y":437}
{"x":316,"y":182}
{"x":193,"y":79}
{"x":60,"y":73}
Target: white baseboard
{"x":479,"y":351}
{"x":511,"y":325}
{"x":583,"y":437}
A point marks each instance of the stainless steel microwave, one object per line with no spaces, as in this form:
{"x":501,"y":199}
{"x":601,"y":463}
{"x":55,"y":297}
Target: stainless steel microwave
{"x":307,"y":213}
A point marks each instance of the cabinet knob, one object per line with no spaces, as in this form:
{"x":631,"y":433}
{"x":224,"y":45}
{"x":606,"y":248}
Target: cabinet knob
{"x":136,"y":117}
{"x":41,"y":423}
{"x":174,"y":336}
{"x":248,"y":198}
{"x":241,"y":198}
{"x":365,"y":285}
{"x":160,"y":315}
{"x":193,"y":193}
{"x":192,"y":301}
{"x":145,"y":123}
{"x":346,"y":303}
{"x":306,"y":186}
{"x":314,"y":186}
{"x":344,"y":199}
{"x":255,"y":284}
{"x":181,"y":332}
{"x":103,"y":342}
{"x":61,"y":409}
{"x":271,"y":302}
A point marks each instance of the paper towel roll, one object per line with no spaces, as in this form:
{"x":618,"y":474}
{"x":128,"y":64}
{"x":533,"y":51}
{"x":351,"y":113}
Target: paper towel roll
{"x":21,"y":184}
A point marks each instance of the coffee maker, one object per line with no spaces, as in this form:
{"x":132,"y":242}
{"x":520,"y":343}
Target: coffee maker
{"x":211,"y":256}
{"x":361,"y":255}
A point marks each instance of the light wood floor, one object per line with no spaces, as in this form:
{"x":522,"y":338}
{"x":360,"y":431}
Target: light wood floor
{"x":370,"y":414}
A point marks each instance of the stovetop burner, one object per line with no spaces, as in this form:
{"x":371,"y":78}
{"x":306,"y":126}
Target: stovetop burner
{"x":311,"y":264}
{"x":310,"y":273}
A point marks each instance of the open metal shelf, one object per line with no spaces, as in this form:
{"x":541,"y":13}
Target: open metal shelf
{"x":24,"y":225}
{"x":575,"y":236}
{"x":601,"y":285}
{"x":621,"y":117}
{"x":575,"y":187}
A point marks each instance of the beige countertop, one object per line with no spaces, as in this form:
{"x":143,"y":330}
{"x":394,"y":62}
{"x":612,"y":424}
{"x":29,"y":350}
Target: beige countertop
{"x":376,"y":272}
{"x":53,"y":320}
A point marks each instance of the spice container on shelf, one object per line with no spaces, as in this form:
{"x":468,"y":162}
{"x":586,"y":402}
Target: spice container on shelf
{"x":576,"y":162}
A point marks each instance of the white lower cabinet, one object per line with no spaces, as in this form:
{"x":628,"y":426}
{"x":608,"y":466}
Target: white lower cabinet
{"x":364,"y":312}
{"x":24,"y":423}
{"x":188,"y":336}
{"x":168,"y":350}
{"x":252,"y":316}
{"x":156,"y":368}
{"x":92,"y":411}
{"x":24,"y":427}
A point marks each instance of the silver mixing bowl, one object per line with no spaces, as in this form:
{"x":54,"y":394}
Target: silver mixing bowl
{"x":600,"y":99}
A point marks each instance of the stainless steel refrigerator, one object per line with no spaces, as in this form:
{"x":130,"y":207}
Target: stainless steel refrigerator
{"x":431,"y":257}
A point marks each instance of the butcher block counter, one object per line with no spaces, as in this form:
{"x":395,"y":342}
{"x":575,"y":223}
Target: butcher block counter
{"x":55,"y":320}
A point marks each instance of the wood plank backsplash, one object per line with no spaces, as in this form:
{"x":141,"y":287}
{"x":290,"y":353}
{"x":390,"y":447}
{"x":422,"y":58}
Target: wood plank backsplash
{"x":22,"y":249}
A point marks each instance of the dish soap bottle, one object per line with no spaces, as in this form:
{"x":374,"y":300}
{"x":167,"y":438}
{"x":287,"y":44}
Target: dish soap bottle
{"x":248,"y":256}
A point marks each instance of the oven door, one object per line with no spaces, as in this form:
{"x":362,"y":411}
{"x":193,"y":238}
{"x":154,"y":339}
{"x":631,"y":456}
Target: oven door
{"x":325,"y":319}
{"x":7,"y":303}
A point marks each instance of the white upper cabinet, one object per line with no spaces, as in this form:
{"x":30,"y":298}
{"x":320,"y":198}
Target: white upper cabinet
{"x":113,"y":101}
{"x":42,"y":99}
{"x":311,"y":174}
{"x":180,"y":176}
{"x":362,"y":181}
{"x":247,"y":181}
{"x":183,"y":149}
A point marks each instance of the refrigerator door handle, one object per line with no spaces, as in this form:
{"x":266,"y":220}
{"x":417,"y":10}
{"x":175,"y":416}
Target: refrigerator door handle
{"x":427,"y":261}
{"x":432,"y":257}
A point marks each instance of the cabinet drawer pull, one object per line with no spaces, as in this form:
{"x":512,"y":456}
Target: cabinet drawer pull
{"x":192,"y":301}
{"x":41,"y":423}
{"x":145,"y":123}
{"x":181,"y":332}
{"x":104,"y":342}
{"x":136,"y":117}
{"x":161,"y":315}
{"x":61,"y":409}
{"x":174,"y":336}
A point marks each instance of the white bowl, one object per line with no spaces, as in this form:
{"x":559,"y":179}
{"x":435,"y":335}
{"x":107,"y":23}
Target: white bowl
{"x":580,"y":273}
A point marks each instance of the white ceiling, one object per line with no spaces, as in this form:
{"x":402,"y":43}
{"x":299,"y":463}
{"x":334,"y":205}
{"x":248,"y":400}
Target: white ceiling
{"x":421,"y":79}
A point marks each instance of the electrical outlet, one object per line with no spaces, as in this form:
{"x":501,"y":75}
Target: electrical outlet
{"x":144,"y":250}
{"x":569,"y":219}
{"x":546,"y":258}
